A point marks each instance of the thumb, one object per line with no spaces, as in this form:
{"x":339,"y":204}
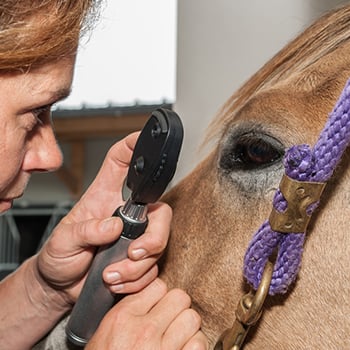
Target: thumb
{"x":66,"y":256}
{"x":84,"y":234}
{"x":95,"y":232}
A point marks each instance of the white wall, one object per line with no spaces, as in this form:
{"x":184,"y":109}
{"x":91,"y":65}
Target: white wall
{"x":220,"y":44}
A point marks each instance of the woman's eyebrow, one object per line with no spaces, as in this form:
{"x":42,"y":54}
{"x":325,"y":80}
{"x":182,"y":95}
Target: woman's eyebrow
{"x":51,"y":97}
{"x":60,"y":94}
{"x":55,"y":96}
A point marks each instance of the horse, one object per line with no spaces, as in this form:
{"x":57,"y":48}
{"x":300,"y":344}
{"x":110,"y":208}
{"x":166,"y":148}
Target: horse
{"x":224,"y":200}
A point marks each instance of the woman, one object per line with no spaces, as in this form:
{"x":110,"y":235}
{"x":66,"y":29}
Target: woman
{"x":38,"y":41}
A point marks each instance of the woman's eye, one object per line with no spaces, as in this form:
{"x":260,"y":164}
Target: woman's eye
{"x":37,"y":112}
{"x":40,"y":115}
{"x":251,"y":151}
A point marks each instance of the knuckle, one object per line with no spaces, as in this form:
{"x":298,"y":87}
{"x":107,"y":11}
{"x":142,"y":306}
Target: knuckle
{"x":199,"y":342}
{"x":80,"y":230}
{"x":149,"y":330}
{"x":182,"y":297}
{"x":195,"y":318}
{"x":158,"y":243}
{"x":167,"y":210}
{"x":118,"y":313}
{"x":160,"y":285}
{"x":128,"y":269}
{"x":161,"y":211}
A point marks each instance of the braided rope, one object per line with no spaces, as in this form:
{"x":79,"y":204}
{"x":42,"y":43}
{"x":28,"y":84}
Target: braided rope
{"x":302,"y":163}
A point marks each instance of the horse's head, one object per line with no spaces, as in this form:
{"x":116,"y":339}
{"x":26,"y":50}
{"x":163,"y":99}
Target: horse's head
{"x":219,"y":206}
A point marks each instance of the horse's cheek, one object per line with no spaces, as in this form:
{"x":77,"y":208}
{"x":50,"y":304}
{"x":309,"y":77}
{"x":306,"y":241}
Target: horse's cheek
{"x":212,"y":225}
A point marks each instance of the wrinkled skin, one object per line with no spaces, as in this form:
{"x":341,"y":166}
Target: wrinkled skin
{"x":219,"y":206}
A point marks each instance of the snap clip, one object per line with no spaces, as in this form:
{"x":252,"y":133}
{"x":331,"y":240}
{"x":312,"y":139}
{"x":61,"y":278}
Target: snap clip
{"x":299,"y":196}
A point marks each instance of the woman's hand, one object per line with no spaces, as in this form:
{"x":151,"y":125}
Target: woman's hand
{"x":64,"y":260}
{"x":153,"y":319}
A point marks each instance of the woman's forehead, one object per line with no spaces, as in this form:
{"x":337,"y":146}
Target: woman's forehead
{"x":43,"y":85}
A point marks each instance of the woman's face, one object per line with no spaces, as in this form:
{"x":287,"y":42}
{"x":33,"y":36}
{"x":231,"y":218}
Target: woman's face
{"x":27,"y":141}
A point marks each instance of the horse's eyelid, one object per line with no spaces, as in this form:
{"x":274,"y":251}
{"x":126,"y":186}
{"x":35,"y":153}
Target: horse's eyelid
{"x":234,"y":155}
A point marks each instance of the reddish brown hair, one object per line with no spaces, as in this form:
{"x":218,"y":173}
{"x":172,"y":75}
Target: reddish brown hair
{"x":34,"y":32}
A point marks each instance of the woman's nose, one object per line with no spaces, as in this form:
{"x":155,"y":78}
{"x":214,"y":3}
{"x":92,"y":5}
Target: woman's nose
{"x":43,"y":152}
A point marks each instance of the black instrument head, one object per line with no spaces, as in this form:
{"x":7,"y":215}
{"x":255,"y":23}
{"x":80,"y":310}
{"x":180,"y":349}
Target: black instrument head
{"x":155,"y":156}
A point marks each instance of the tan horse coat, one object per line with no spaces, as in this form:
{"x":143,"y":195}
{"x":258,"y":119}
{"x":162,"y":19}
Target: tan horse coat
{"x":219,"y":206}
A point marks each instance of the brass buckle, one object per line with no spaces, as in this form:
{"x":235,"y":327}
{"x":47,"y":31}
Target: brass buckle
{"x":299,"y":195}
{"x":249,"y":310}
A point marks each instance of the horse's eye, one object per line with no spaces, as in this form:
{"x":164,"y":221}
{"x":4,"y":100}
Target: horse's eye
{"x":251,"y":151}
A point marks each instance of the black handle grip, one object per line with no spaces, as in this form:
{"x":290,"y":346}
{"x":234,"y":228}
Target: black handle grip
{"x":95,"y":299}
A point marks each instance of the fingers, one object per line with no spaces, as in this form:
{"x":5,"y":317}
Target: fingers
{"x":151,"y":319}
{"x":66,"y":264}
{"x":156,"y":236}
{"x":128,"y":275}
{"x":104,"y":195}
{"x":179,"y":324}
{"x":141,"y":303}
{"x":93,"y":232}
{"x":97,"y":232}
{"x":121,"y":152}
{"x":184,"y":327}
{"x":125,"y":326}
{"x":119,"y":155}
{"x":169,"y":308}
{"x":131,"y":284}
{"x":198,"y":342}
{"x":89,"y":225}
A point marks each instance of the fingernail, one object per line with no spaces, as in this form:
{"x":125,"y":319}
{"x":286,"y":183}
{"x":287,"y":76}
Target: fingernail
{"x":138,"y":253}
{"x":106,"y":225}
{"x":113,"y":277}
{"x":117,"y":288}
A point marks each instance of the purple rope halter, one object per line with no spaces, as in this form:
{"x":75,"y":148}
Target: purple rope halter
{"x":302,"y":163}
